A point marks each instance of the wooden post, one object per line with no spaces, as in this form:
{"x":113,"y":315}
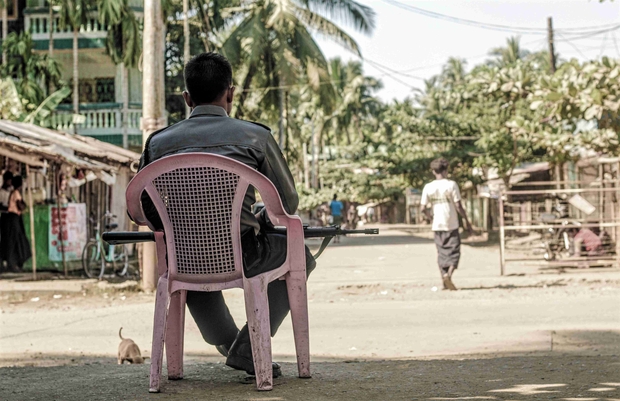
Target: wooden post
{"x":33,"y":242}
{"x":502,"y":238}
{"x":62,"y":242}
{"x":616,"y":208}
{"x":601,"y":194}
{"x":153,"y":107}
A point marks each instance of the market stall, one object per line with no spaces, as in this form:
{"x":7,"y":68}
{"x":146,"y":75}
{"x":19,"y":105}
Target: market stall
{"x":70,"y":183}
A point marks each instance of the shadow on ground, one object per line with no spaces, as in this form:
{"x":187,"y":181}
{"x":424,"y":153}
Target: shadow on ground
{"x":505,"y":378}
{"x":568,"y":373}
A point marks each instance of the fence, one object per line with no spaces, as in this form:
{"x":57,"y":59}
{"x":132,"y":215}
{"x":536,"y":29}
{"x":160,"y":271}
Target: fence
{"x":575,"y":224}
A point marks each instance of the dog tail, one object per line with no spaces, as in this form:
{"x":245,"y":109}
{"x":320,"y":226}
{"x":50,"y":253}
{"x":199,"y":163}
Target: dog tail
{"x":119,"y":333}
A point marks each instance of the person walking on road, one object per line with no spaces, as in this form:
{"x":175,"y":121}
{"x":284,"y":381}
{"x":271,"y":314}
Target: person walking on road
{"x":445,"y":198}
{"x":336,"y":210}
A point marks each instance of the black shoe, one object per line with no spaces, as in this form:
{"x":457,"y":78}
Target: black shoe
{"x":240,"y":358}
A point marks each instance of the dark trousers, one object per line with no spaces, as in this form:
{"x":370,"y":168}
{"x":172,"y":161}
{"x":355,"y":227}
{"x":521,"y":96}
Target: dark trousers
{"x":211,"y":313}
{"x":448,"y":249}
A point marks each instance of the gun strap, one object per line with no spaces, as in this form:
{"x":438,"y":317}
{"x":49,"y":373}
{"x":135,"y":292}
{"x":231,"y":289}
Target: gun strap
{"x":324,"y":244}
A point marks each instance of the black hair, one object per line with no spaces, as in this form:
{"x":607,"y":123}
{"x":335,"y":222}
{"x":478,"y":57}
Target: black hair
{"x":207,"y":77}
{"x":439,"y":165}
{"x":335,"y":196}
{"x":6,"y":177}
{"x":17,"y":181}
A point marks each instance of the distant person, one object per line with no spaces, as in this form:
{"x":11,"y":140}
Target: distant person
{"x":370,"y":214}
{"x":445,"y":198}
{"x":352,"y":217}
{"x":335,"y":206}
{"x":586,"y":238}
{"x":15,"y":246}
{"x":5,"y":190}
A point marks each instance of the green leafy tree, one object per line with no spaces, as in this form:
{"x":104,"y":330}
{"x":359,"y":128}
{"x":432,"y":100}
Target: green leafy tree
{"x":32,"y":72}
{"x":273,"y":43}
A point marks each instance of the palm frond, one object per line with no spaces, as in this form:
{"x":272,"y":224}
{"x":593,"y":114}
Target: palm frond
{"x":361,"y":17}
{"x":328,"y":29}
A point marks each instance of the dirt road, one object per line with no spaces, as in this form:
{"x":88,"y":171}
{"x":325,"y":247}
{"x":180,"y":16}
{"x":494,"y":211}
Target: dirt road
{"x":379,"y":330}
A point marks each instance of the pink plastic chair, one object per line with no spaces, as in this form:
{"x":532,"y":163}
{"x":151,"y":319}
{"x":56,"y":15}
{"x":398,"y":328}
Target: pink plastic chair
{"x":199,"y":198}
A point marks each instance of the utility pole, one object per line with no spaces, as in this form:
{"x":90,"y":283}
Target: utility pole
{"x":153,"y":108}
{"x":550,"y":39}
{"x":186,"y":55}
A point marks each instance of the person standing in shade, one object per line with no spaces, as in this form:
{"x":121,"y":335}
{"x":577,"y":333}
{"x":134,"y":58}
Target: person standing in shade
{"x":15,"y":246}
{"x":336,"y":210}
{"x":445,"y":198}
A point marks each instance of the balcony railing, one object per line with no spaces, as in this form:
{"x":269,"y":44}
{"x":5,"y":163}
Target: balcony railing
{"x":103,"y":121}
{"x":39,"y":26}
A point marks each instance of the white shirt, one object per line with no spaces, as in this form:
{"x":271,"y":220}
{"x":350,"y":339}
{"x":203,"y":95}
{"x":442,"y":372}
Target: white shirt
{"x":442,"y":195}
{"x":4,"y":196}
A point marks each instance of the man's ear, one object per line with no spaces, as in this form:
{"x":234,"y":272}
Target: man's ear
{"x":229,"y":94}
{"x":188,"y":99}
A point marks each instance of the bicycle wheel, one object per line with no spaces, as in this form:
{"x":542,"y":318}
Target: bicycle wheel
{"x":91,"y":260}
{"x":120,"y":259}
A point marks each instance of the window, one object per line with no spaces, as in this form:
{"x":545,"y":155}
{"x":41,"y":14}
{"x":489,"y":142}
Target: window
{"x":11,"y":9}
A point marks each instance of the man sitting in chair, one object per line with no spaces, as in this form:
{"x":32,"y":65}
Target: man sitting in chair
{"x":209,"y":93}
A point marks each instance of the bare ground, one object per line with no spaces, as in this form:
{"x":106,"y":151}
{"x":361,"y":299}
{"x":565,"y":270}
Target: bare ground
{"x":378,"y":331}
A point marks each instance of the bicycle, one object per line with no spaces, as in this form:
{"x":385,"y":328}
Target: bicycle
{"x":97,"y":254}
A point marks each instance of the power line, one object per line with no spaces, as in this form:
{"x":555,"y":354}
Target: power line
{"x":573,"y":46}
{"x":616,"y":44}
{"x":496,"y":27}
{"x":383,"y":69}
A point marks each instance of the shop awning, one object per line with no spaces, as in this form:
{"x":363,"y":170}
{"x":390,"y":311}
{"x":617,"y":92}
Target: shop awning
{"x":37,"y":146}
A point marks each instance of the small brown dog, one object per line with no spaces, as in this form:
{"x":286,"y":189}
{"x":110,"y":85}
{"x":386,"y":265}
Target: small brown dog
{"x":128,"y":350}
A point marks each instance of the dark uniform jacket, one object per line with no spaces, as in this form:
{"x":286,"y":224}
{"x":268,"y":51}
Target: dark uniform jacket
{"x":210,"y":130}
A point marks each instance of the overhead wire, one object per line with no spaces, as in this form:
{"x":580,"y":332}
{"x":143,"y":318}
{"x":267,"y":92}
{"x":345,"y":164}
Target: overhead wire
{"x":497,"y":27}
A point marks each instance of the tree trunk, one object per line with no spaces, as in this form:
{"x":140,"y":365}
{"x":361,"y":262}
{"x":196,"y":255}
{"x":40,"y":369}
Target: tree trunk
{"x":50,"y":28}
{"x":125,"y":96}
{"x":153,"y":117}
{"x":281,"y":110}
{"x":245,"y":90}
{"x":5,"y":30}
{"x":186,"y":41}
{"x":76,"y":75}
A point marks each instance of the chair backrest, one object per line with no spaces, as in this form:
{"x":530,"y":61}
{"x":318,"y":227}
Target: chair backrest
{"x":199,"y":198}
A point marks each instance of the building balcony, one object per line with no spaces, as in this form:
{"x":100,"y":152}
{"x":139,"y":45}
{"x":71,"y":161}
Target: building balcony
{"x":92,"y":35}
{"x":103,"y":121}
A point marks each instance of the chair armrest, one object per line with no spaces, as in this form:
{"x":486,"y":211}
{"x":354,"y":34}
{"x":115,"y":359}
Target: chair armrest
{"x":128,"y":237}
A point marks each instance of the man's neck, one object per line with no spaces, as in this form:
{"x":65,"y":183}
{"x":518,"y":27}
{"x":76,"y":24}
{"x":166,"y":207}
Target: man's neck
{"x":221,"y":104}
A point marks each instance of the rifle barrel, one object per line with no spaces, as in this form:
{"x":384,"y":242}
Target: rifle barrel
{"x":120,"y":237}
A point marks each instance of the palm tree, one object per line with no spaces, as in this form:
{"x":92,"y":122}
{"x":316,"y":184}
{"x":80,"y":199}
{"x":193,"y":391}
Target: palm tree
{"x":453,"y":73}
{"x":273,"y":41}
{"x":122,"y":45}
{"x":354,"y":98}
{"x":509,"y":55}
{"x":74,"y":14}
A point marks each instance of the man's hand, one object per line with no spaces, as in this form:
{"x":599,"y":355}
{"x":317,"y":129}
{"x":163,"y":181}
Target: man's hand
{"x":469,"y":228}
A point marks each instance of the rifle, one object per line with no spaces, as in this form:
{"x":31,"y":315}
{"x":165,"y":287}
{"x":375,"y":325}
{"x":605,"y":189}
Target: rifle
{"x":328,"y":233}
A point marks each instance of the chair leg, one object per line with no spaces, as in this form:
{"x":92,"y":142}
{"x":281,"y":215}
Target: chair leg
{"x":159,"y":333}
{"x":257,"y":311}
{"x":298,"y":301}
{"x":175,"y":330}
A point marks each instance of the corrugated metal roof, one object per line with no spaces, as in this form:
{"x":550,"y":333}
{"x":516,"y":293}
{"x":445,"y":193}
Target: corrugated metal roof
{"x":33,"y":144}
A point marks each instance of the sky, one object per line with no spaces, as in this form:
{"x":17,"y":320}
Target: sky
{"x":409,"y":47}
